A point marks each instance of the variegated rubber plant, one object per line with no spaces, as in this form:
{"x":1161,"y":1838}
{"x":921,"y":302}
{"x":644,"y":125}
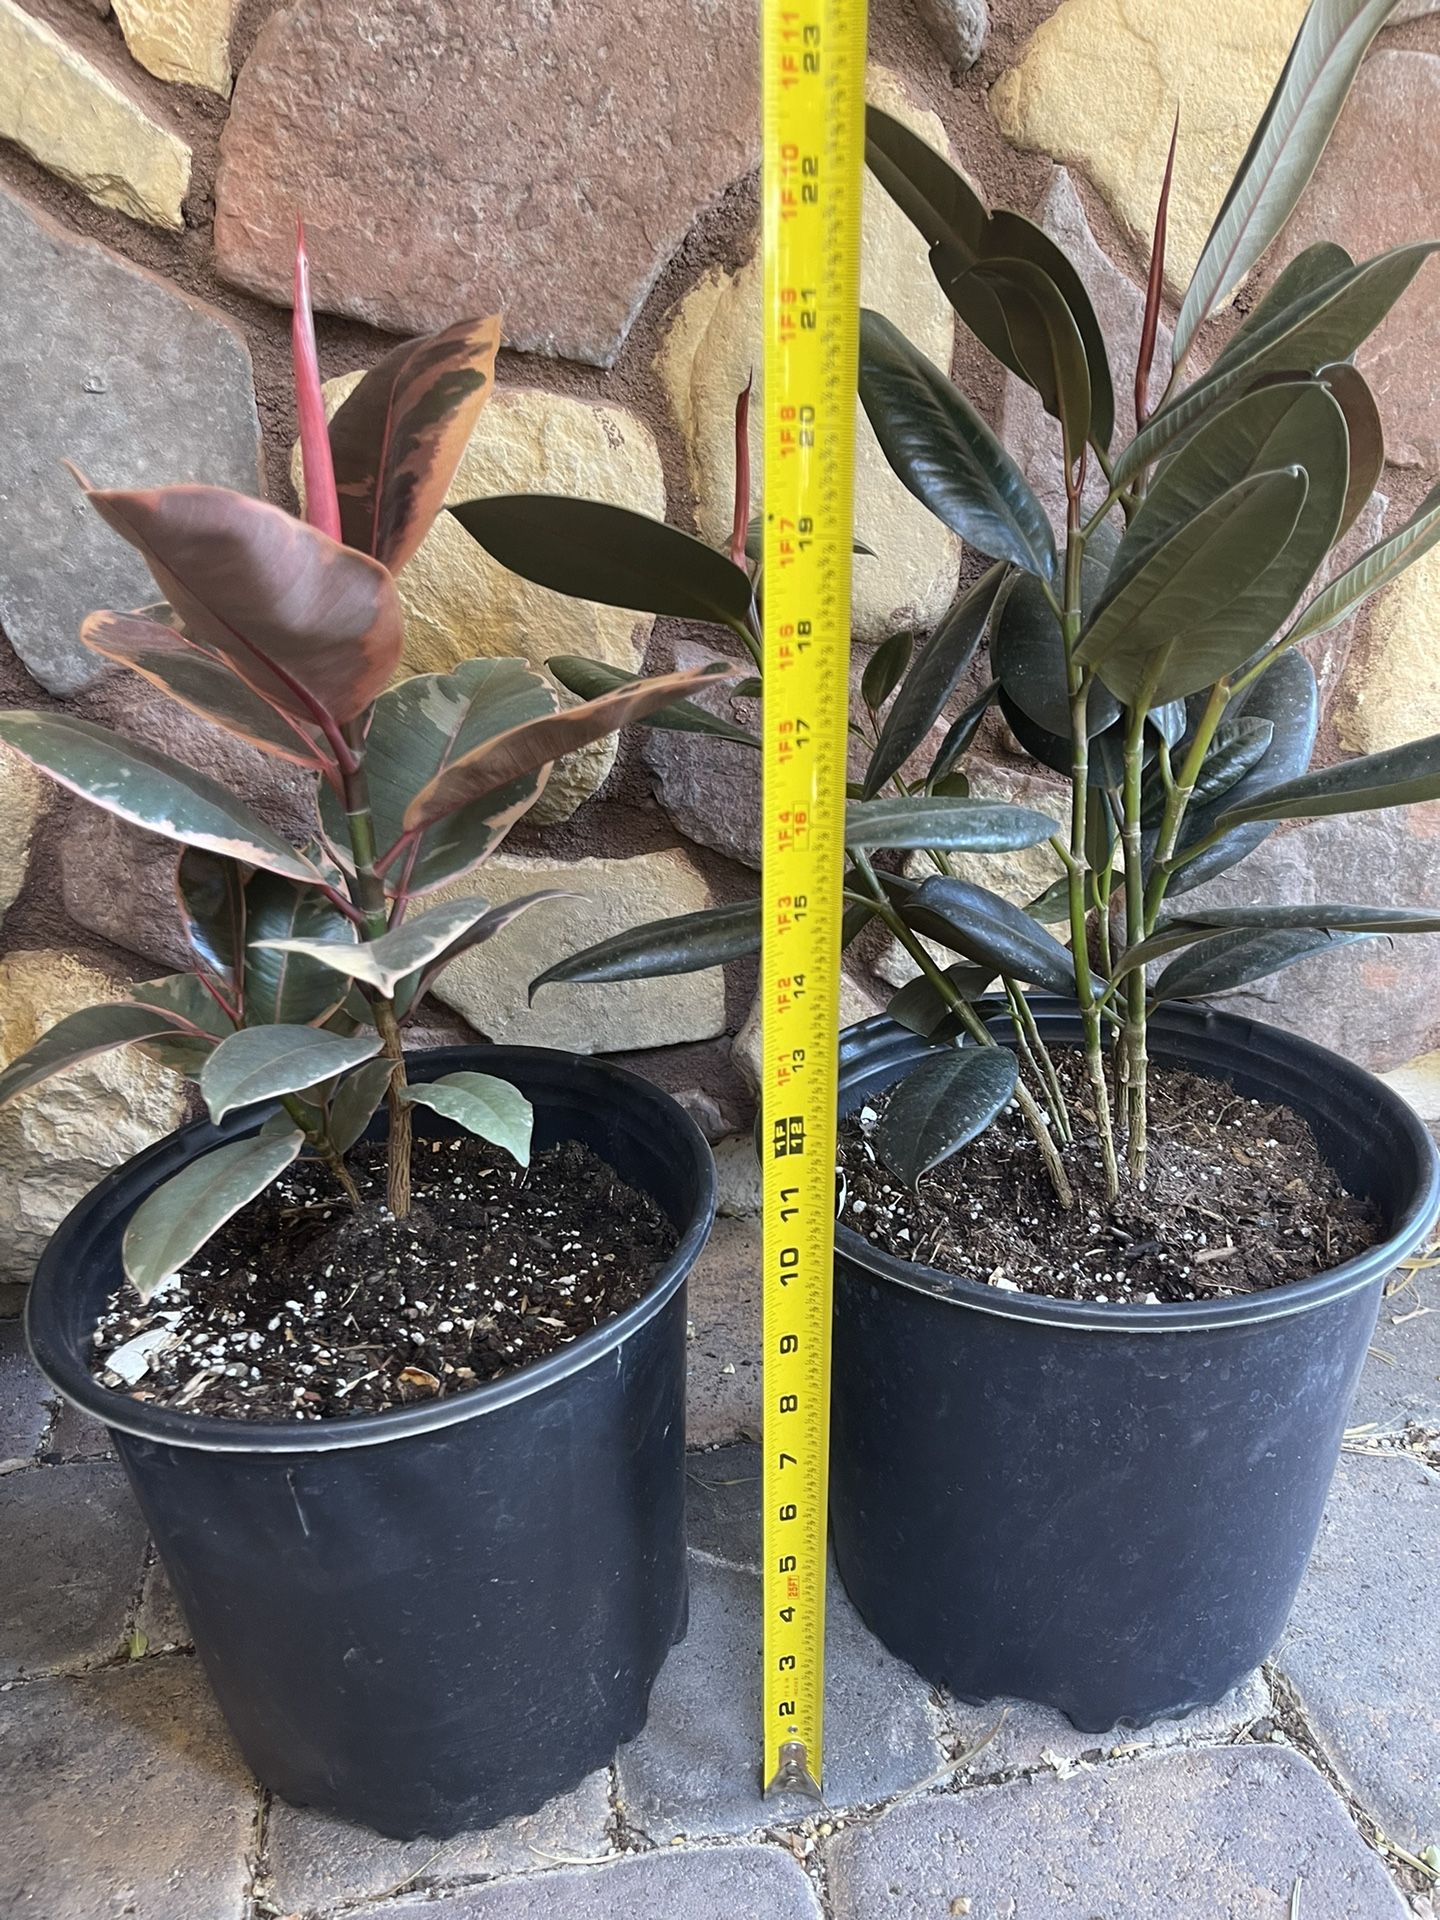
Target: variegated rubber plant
{"x":1147,"y":650}
{"x":288,"y":633}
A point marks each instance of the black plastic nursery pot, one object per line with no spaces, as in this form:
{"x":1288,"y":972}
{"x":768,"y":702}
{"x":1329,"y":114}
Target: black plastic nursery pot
{"x":1106,"y":1508}
{"x":441,"y":1615}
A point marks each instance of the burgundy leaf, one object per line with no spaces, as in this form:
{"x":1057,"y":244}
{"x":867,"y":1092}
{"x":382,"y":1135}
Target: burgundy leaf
{"x":322,"y":509}
{"x":398,"y":438}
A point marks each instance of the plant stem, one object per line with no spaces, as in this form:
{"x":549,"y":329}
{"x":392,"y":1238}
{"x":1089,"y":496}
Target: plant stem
{"x":320,"y":1142}
{"x":1134,"y":1058}
{"x":1178,"y":799}
{"x":1034,"y":1119}
{"x":1037,"y":1054}
{"x":1077,"y":866}
{"x":369,"y":894}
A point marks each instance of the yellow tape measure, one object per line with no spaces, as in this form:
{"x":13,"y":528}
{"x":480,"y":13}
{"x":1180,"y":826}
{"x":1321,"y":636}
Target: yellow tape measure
{"x":814,"y":137}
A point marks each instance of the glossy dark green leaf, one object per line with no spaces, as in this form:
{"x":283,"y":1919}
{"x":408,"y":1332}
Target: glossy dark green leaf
{"x":1374,"y":569}
{"x":991,"y":932}
{"x":355,"y":1100}
{"x":960,"y":737}
{"x":1011,"y":235}
{"x":1295,"y":424}
{"x":922,"y":183}
{"x":1324,"y":326}
{"x":958,"y":825}
{"x":174,"y":1222}
{"x":941,"y":1105}
{"x":942,"y":450}
{"x":1311,"y":268}
{"x":260,"y":1063}
{"x":79,"y":1036}
{"x":1399,"y":777}
{"x":920,"y":1007}
{"x":1027,"y":653}
{"x":1182,"y":618}
{"x":686,"y":943}
{"x":1283,"y":150}
{"x":1205,"y":924}
{"x":1366,"y":430}
{"x":1169,"y":721}
{"x":1238,"y":745}
{"x":287,"y":988}
{"x":1286,"y":697}
{"x":1047,"y":342}
{"x":885,"y":669}
{"x":1099,"y":830}
{"x":932,"y":680}
{"x":421,"y":727}
{"x":591,"y":678}
{"x":1233,"y":959}
{"x":210,"y":892}
{"x":594,"y":551}
{"x":151,"y":791}
{"x":490,"y":1108}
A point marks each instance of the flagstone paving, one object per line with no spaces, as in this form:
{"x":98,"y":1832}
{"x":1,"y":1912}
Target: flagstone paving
{"x":124,"y":1795}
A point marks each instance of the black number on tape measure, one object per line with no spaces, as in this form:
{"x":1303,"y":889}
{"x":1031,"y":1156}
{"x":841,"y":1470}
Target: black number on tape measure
{"x":789,"y":1402}
{"x":788,"y":1511}
{"x":787,"y":1563}
{"x":789,"y":1343}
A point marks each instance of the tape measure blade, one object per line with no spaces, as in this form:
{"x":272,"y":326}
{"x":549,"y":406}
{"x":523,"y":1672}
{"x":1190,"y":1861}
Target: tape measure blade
{"x":814,"y":58}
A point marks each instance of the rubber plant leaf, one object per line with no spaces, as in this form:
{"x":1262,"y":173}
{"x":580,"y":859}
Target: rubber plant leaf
{"x":411,"y":990}
{"x":1182,"y":618}
{"x":1186,"y":930}
{"x":1046,"y":341}
{"x":1105,"y":759}
{"x":1399,"y":777}
{"x":1234,"y":959}
{"x":398,"y":437}
{"x":282,"y":988}
{"x":686,"y":943}
{"x":921,"y":1008}
{"x":418,"y":729}
{"x":149,"y":790}
{"x":210,"y":892}
{"x":1283,"y":151}
{"x":932,"y":678}
{"x":938,"y":445}
{"x":322,"y":509}
{"x":1324,"y":326}
{"x":491,"y":1109}
{"x":1295,"y":425}
{"x":354,"y":1102}
{"x":1027,"y":651}
{"x":953,"y":825}
{"x":80,"y":1036}
{"x":1351,"y":393}
{"x":312,"y":626}
{"x":1296,"y":281}
{"x":261,"y":1063}
{"x":989,"y":931}
{"x":1373,"y":570}
{"x":941,"y":1106}
{"x":591,"y":550}
{"x":524,"y":749}
{"x":1287,"y":698}
{"x":591,"y":678}
{"x":412,"y":947}
{"x":172,"y":1225}
{"x":961,"y":735}
{"x":885,"y":669}
{"x":200,"y":682}
{"x":200,"y":1024}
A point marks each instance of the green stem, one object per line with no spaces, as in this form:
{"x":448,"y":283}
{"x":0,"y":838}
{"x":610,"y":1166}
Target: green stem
{"x":1077,"y":866}
{"x":1134,"y":1055}
{"x":319,"y":1141}
{"x":1034,"y":1050}
{"x":1177,"y":801}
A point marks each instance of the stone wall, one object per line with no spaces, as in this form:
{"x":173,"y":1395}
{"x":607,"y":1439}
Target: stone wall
{"x":600,"y":188}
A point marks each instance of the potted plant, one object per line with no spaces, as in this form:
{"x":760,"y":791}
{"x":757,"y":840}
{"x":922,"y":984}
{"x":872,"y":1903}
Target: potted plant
{"x":400,"y":1387}
{"x":1108,"y":1259}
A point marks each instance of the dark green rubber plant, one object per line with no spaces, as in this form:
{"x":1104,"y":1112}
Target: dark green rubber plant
{"x":1146,"y":651}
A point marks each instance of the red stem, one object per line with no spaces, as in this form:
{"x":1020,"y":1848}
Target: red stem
{"x":740,"y":523}
{"x":1155,"y":288}
{"x":322,"y":503}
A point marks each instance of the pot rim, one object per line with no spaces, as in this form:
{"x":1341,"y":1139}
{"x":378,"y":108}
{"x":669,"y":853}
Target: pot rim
{"x":116,"y":1196}
{"x":1255,"y":1037}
